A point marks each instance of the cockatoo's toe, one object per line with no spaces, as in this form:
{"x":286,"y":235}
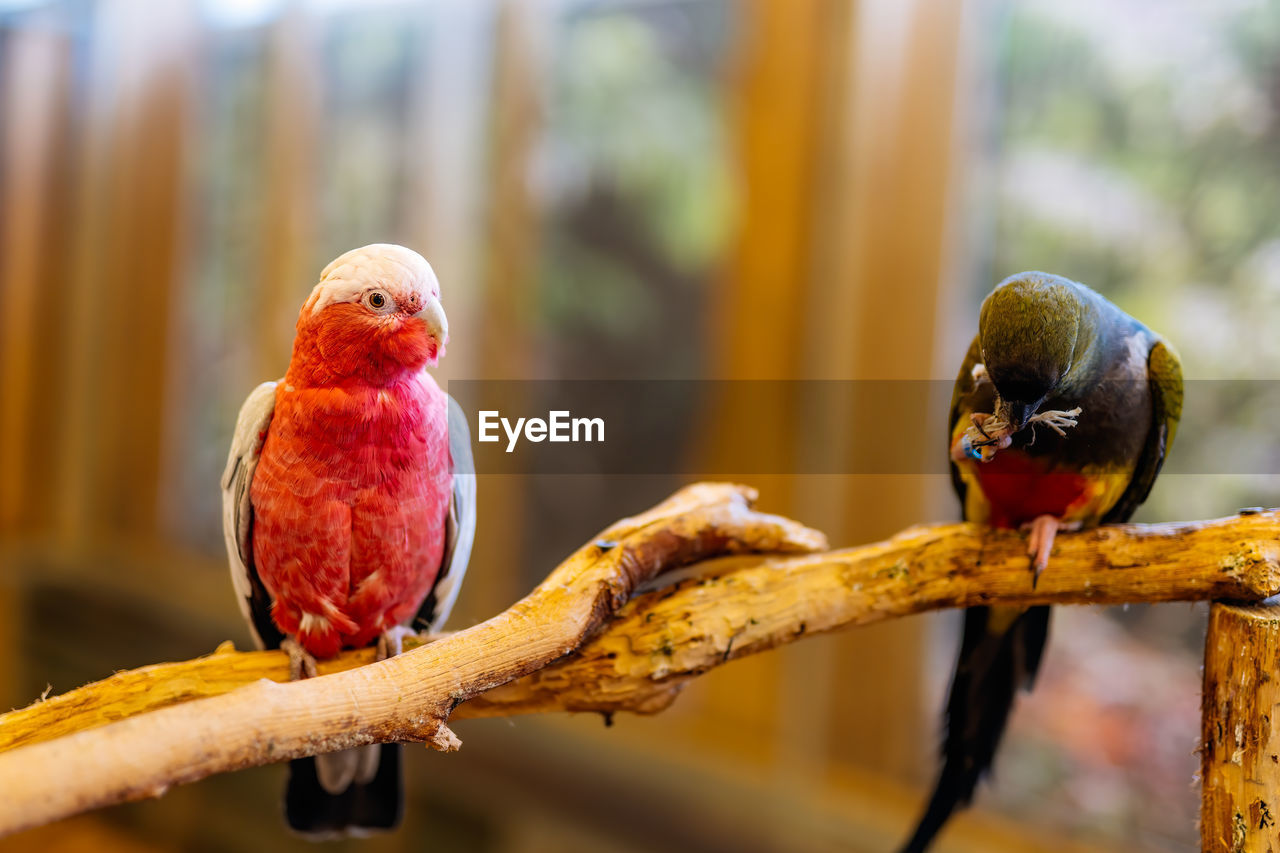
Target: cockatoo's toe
{"x":301,"y":662}
{"x":391,"y":641}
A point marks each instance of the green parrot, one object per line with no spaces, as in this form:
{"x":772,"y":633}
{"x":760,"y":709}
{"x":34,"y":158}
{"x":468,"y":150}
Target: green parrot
{"x":1061,"y":417}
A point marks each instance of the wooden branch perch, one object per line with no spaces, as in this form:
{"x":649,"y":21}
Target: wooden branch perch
{"x":405,"y":698}
{"x":516,"y":663}
{"x":736,"y":607}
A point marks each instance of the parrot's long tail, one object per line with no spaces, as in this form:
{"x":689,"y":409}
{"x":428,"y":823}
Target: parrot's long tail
{"x":351,"y":793}
{"x":1000,"y":652}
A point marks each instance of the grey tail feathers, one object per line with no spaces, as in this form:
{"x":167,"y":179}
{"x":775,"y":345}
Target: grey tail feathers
{"x":356,"y":792}
{"x":1000,"y":653}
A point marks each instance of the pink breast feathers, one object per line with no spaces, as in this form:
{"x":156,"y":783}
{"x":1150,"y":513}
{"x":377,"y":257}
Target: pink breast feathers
{"x":350,"y":499}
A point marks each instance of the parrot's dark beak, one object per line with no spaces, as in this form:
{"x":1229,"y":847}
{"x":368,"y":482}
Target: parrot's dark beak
{"x":1016,"y":413}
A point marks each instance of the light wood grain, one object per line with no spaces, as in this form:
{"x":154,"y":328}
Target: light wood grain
{"x":1240,"y":753}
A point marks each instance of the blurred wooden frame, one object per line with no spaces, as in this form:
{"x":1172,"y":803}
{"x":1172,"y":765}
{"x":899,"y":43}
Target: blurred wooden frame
{"x":846,"y":126}
{"x":35,"y":110}
{"x":35,"y":197}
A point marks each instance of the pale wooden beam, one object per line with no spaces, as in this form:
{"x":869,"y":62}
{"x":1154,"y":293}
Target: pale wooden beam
{"x":129,"y":255}
{"x":1240,"y":742}
{"x":34,"y":110}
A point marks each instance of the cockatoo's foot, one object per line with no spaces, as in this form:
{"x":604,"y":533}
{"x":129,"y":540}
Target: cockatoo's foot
{"x":391,"y":641}
{"x":1043,"y":529}
{"x":301,"y":663}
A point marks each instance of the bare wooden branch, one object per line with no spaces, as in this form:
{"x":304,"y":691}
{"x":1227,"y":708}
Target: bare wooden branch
{"x":406,"y":698}
{"x":723,"y":609}
{"x":1240,"y":752}
{"x":739,"y":606}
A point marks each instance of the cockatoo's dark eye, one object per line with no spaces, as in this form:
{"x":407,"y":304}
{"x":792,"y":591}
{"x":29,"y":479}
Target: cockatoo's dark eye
{"x":379,"y":301}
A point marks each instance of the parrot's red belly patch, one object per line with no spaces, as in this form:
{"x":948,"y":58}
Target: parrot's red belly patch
{"x":1020,"y":488}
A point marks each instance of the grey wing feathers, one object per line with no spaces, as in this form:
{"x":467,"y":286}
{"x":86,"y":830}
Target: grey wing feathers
{"x":460,"y":526}
{"x":1164,"y":376}
{"x":237,"y":512}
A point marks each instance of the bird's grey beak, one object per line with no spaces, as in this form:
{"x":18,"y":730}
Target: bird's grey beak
{"x":1017,"y":413}
{"x":437,"y":324}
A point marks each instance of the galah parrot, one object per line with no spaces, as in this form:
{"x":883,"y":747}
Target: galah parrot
{"x":349,"y":504}
{"x":1061,"y":417}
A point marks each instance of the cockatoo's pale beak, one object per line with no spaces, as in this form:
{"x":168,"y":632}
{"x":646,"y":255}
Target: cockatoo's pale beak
{"x":437,"y":324}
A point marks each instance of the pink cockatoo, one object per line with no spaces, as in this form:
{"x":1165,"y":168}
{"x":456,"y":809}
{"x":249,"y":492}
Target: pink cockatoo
{"x":349,"y":504}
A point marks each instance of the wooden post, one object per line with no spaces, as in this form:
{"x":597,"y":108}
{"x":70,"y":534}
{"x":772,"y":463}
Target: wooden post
{"x":1240,"y":754}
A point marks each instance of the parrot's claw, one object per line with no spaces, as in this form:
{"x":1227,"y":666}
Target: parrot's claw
{"x":301,"y":663}
{"x":391,"y":641}
{"x":1043,"y":530}
{"x":979,"y":443}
